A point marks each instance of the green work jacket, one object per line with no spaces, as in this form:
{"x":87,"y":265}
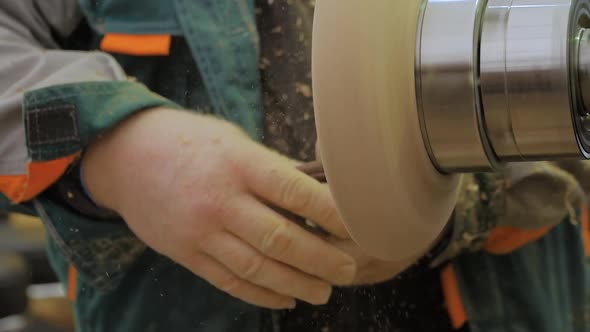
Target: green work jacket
{"x":121,"y":285}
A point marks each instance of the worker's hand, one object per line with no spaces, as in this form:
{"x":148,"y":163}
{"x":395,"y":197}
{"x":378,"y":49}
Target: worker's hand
{"x":198,"y":190}
{"x":371,"y":270}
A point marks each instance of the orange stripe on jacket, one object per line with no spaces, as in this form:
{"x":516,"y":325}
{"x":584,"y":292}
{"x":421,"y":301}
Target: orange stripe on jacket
{"x":504,"y":240}
{"x":41,"y":175}
{"x":146,"y":45}
{"x":586,"y":229}
{"x":455,"y":306}
{"x":72,"y":283}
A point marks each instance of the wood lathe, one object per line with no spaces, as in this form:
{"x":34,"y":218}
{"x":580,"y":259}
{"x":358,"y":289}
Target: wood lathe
{"x":410,"y":94}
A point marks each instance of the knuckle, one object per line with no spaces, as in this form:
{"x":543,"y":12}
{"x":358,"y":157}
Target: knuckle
{"x":252,"y":267}
{"x":293,"y":194}
{"x":278,"y":241}
{"x":210,"y":206}
{"x":230,"y":284}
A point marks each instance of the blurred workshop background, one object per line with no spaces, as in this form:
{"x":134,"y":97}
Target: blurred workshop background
{"x":31,"y":299}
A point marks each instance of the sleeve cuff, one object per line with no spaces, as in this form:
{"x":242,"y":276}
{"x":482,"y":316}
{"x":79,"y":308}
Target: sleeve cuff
{"x":61,"y":120}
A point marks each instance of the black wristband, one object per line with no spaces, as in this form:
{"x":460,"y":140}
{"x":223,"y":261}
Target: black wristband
{"x":69,"y":191}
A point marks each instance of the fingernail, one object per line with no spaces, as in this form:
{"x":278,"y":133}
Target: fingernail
{"x":291,"y":304}
{"x":323,"y":295}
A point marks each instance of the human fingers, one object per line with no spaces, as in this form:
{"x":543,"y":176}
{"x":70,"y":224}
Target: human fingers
{"x":276,"y":237}
{"x":251,"y":265}
{"x":222,"y":278}
{"x":283,"y":186}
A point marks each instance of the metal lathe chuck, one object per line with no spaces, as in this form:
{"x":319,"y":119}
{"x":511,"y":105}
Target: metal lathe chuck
{"x":503,"y":80}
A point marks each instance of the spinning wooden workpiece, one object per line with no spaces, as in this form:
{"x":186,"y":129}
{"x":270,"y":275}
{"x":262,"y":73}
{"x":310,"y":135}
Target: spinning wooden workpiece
{"x":409,"y":94}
